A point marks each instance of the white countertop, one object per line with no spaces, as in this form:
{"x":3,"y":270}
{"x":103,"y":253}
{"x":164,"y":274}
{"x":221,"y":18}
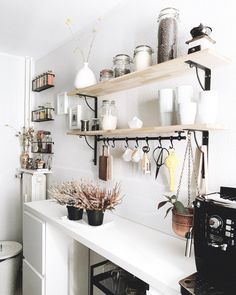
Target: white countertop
{"x":153,"y":256}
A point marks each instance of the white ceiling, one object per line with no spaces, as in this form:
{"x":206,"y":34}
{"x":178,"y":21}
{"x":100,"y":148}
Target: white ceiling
{"x":36,"y":27}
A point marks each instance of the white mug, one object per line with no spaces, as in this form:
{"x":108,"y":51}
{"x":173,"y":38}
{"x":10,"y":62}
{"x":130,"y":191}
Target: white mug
{"x":135,"y":123}
{"x":127,"y":155}
{"x":137,"y":155}
{"x":184,"y":93}
{"x":187,"y":112}
{"x":208,"y":107}
{"x":166,"y":100}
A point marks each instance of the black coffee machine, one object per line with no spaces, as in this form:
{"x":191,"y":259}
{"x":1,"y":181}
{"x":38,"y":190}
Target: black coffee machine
{"x":214,"y":245}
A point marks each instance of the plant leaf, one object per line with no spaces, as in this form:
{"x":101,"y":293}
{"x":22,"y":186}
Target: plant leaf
{"x":179,"y":207}
{"x":161,"y":204}
{"x":167,"y":211}
{"x":168,"y":197}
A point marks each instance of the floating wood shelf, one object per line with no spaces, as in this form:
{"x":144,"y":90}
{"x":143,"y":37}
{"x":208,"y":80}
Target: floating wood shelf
{"x":148,"y":130}
{"x":166,"y":70}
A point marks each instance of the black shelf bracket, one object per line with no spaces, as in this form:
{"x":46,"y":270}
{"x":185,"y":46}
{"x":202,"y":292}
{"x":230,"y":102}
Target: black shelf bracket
{"x":207,"y":80}
{"x":95,"y":110}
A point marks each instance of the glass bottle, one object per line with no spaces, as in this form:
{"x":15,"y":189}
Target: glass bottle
{"x":142,"y":57}
{"x":108,"y":115}
{"x":121,"y":64}
{"x":167,"y":34}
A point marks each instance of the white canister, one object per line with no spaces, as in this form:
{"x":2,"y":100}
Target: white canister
{"x":208,"y":107}
{"x":142,"y":57}
{"x":184,"y":93}
{"x":166,"y":100}
{"x":187,"y":112}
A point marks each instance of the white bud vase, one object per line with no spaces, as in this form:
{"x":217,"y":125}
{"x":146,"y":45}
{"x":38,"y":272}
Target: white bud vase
{"x":85,"y":77}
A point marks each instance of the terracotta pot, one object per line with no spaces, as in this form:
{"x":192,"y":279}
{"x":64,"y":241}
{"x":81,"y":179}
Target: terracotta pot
{"x":181,"y":223}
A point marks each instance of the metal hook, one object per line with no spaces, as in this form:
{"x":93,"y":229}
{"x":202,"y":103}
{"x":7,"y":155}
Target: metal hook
{"x":147,"y":141}
{"x":127,"y":144}
{"x":113,"y":143}
{"x":137,"y":145}
{"x":160,"y":144}
{"x":107,"y":140}
{"x":171,"y":142}
{"x":104,"y":141}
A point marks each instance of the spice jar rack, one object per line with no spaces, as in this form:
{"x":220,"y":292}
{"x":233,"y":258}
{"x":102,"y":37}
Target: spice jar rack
{"x":42,"y":114}
{"x":42,"y":143}
{"x":43,"y":82}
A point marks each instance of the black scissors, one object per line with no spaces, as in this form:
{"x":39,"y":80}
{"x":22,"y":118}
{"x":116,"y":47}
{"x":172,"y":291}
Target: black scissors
{"x":158,"y":158}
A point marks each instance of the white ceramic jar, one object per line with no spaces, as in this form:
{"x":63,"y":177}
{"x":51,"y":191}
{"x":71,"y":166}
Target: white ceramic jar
{"x":166,"y":104}
{"x":208,"y":107}
{"x":142,"y":57}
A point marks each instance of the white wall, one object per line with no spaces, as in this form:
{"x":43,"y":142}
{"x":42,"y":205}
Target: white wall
{"x":131,"y":24}
{"x":11,"y":112}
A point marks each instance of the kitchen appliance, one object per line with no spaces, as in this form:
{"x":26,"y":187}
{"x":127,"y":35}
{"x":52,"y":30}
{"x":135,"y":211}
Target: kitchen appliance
{"x":214,"y":245}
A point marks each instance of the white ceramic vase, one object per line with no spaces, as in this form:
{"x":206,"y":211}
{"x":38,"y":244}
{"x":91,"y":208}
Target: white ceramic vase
{"x":85,"y":77}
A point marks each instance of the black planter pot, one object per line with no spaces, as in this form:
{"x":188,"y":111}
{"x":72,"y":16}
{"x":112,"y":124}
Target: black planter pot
{"x":95,"y":217}
{"x":74,"y":213}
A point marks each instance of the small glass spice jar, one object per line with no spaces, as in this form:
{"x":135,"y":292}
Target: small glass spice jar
{"x":106,"y":74}
{"x":142,"y":57}
{"x":95,"y":124}
{"x":167,"y":34}
{"x":121,"y":65}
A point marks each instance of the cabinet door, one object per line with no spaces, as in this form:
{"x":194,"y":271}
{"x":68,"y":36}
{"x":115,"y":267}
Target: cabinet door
{"x":33,"y":282}
{"x":34,"y":242}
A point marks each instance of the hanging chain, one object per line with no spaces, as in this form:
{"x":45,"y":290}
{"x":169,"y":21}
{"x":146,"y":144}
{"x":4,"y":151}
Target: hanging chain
{"x":189,"y":153}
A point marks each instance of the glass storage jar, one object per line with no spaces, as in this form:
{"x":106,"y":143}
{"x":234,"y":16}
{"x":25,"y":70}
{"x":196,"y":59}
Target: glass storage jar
{"x":108,"y":115}
{"x":142,"y":57}
{"x":121,"y":65}
{"x":167,"y":34}
{"x":106,"y":74}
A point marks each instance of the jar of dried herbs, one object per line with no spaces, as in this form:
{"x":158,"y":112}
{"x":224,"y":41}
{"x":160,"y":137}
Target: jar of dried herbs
{"x":167,"y":34}
{"x":121,"y":64}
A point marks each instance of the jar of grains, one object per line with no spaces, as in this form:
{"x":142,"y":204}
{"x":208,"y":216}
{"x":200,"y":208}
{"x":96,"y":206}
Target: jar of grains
{"x":142,"y":57}
{"x":167,"y":34}
{"x":106,"y":74}
{"x":121,"y":64}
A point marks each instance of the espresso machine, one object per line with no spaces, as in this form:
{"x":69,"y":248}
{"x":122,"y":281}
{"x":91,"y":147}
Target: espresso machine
{"x":214,"y":245}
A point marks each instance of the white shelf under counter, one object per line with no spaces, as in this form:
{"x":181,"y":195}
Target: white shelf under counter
{"x":153,"y":256}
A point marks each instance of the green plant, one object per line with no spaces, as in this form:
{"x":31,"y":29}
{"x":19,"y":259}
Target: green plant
{"x":175,"y":205}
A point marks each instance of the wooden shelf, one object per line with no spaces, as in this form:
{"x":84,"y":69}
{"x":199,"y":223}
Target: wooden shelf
{"x":166,"y":70}
{"x":148,"y":130}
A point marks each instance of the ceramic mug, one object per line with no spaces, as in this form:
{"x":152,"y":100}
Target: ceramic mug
{"x":208,"y":107}
{"x":187,"y":112}
{"x":166,"y":100}
{"x":135,"y":123}
{"x":127,"y":155}
{"x":136,"y":155}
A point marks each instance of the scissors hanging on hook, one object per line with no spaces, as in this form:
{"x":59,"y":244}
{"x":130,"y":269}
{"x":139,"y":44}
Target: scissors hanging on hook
{"x":159,"y":157}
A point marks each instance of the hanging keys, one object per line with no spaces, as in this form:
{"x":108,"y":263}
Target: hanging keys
{"x":145,"y":162}
{"x":171,"y":163}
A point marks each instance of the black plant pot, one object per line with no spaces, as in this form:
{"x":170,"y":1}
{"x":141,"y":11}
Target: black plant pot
{"x":74,"y":213}
{"x":95,"y":217}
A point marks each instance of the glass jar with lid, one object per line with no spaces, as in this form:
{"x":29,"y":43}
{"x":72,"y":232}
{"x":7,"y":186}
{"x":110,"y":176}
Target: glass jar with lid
{"x":121,"y":65}
{"x":142,"y":57}
{"x":167,"y":34}
{"x":108,"y":115}
{"x":106,"y":74}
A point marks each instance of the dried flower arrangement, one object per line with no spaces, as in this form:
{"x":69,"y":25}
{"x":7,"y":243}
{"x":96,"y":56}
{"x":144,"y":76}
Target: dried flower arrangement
{"x":69,"y":24}
{"x":86,"y":195}
{"x":25,"y":137}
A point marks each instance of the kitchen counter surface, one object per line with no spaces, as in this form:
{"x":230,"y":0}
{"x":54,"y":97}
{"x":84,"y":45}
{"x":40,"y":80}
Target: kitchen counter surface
{"x":153,"y":256}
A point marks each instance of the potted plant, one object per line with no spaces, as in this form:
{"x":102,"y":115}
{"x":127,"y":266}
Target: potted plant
{"x":182,"y":217}
{"x":98,"y":199}
{"x":68,"y":194}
